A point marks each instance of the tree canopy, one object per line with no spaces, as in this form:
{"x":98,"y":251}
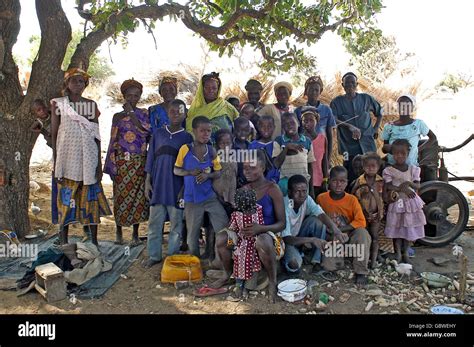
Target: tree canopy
{"x":278,"y":29}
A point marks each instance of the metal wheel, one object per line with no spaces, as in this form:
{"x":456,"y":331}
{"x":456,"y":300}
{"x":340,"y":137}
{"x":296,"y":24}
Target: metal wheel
{"x":446,"y":212}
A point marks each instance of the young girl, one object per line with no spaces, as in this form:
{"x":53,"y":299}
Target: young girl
{"x":405,"y":217}
{"x":310,"y":120}
{"x":245,"y":255}
{"x":293,"y":152}
{"x":265,"y":127}
{"x":407,"y":128}
{"x":126,"y":159}
{"x":368,"y":188}
{"x":225,"y":185}
{"x":76,"y":151}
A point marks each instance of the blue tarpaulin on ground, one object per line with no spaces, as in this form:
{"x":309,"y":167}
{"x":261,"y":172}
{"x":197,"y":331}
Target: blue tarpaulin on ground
{"x":120,"y":256}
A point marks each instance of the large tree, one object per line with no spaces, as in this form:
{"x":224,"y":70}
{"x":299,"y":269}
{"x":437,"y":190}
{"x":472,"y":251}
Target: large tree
{"x":278,"y":29}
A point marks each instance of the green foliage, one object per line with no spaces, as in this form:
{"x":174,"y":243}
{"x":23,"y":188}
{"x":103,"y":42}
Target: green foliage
{"x":279,"y":31}
{"x":455,"y":82}
{"x":380,"y":60}
{"x":99,"y":68}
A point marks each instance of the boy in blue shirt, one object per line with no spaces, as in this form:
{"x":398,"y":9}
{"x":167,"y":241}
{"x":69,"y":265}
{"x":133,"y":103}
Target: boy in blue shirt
{"x":199,"y":164}
{"x":162,"y":187}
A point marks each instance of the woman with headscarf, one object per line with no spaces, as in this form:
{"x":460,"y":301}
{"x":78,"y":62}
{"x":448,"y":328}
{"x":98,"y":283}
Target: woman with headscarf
{"x":77,"y":161}
{"x":126,"y":159}
{"x":159,"y":113}
{"x":282,"y":93}
{"x":208,"y":103}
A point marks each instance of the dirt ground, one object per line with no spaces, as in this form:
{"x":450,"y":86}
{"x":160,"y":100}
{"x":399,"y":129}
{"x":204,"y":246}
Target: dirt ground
{"x":142,"y":292}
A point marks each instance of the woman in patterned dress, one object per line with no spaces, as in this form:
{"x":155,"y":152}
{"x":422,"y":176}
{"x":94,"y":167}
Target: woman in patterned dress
{"x":126,"y":159}
{"x":76,"y":151}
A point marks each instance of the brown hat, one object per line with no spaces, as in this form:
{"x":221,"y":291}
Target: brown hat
{"x":130,"y":83}
{"x":311,"y":80}
{"x":253,"y":84}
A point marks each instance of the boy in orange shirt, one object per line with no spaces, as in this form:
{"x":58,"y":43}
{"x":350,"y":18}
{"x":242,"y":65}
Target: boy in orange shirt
{"x":344,"y":209}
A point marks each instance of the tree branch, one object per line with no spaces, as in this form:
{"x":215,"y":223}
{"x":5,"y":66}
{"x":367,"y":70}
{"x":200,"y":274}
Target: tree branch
{"x":212,"y":33}
{"x":55,"y":36}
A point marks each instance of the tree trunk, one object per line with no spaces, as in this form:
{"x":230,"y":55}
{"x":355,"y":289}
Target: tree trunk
{"x":17,"y":145}
{"x":16,"y":139}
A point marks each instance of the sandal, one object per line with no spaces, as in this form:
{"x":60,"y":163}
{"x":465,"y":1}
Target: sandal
{"x":328,"y":275}
{"x":208,"y":291}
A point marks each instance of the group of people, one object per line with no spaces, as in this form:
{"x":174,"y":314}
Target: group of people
{"x":166,"y":164}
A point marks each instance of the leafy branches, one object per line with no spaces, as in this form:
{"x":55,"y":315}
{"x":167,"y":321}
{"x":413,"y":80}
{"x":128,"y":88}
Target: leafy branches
{"x":275,"y":28}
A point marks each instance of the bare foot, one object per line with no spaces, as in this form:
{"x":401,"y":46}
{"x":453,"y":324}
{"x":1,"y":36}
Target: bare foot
{"x":406,"y":258}
{"x":245,"y":293}
{"x":361,"y":280}
{"x":396,"y":256}
{"x":238,"y":293}
{"x":219,"y":283}
{"x":272,"y":293}
{"x":215,"y":264}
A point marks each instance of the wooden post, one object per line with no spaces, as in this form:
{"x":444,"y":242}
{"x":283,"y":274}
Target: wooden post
{"x":463,"y":279}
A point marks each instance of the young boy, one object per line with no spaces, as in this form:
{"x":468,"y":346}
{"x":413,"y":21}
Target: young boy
{"x":247,"y":110}
{"x":42,"y":123}
{"x":310,"y":120}
{"x":346,"y":213}
{"x":162,"y":187}
{"x":199,"y":164}
{"x":368,"y":188}
{"x":266,"y":127}
{"x":306,"y":223}
{"x":293,"y":152}
{"x":241,"y":134}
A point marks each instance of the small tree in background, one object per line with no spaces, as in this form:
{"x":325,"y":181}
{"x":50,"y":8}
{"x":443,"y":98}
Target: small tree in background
{"x":378,"y":61}
{"x":455,"y":82}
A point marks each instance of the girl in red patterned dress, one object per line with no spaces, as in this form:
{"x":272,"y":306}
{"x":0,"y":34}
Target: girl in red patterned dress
{"x":246,"y":260}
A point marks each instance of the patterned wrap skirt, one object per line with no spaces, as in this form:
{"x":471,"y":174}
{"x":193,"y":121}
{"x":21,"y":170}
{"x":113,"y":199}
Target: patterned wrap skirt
{"x":77,"y":203}
{"x":130,"y":204}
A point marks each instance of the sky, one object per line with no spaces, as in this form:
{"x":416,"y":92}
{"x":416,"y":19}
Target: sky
{"x":434,"y":30}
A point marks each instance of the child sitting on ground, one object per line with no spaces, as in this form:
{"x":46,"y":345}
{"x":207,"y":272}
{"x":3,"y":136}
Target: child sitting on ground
{"x":345,"y":211}
{"x":405,"y":217}
{"x":310,"y":121}
{"x":368,"y":188}
{"x":293,"y":152}
{"x":246,"y":261}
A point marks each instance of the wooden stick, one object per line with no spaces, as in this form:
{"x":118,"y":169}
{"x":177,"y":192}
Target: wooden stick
{"x":463,"y":279}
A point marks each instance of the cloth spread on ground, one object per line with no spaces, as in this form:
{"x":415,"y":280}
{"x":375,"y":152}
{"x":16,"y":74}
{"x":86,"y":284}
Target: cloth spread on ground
{"x":119,"y":257}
